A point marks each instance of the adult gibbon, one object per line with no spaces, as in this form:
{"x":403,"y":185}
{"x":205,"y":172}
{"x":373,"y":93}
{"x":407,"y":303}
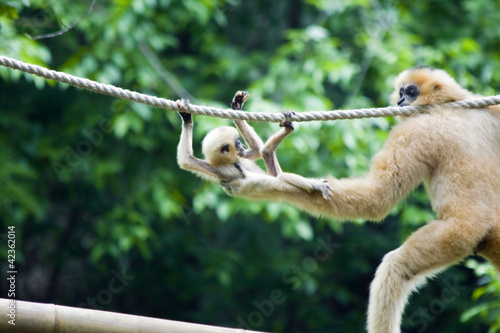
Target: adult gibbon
{"x":227,"y":159}
{"x":455,"y":152}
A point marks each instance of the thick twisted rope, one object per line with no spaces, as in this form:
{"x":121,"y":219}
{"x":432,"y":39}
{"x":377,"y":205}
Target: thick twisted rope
{"x":229,"y":113}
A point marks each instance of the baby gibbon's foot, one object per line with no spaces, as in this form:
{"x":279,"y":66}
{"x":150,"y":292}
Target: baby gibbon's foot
{"x":325,"y":188}
{"x":183,"y":104}
{"x":231,"y":187}
{"x":226,"y":186}
{"x":239,"y":98}
{"x":286,"y":122}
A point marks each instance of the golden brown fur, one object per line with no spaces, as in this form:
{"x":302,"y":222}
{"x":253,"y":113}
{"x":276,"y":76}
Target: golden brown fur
{"x":436,"y":86}
{"x":456,"y":153}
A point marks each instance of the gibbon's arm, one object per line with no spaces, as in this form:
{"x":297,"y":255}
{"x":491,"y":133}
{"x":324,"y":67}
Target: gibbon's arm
{"x":253,"y":141}
{"x":185,"y":157}
{"x":397,"y":169}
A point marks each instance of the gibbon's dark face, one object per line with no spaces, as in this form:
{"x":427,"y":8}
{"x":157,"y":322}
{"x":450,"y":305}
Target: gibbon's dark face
{"x":408,"y":94}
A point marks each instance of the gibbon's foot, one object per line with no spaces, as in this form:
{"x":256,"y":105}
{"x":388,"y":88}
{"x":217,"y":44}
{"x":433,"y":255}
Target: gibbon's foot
{"x":323,"y":186}
{"x":234,"y":187}
{"x":230,"y":186}
{"x":226,"y":187}
{"x":286,"y":122}
{"x":239,"y":98}
{"x":183,"y":104}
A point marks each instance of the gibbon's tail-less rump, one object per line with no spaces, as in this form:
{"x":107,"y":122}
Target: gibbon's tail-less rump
{"x":454,"y":152}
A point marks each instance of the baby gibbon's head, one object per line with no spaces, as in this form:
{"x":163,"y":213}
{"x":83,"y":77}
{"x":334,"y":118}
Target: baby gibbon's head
{"x":222,"y":145}
{"x":426,"y":85}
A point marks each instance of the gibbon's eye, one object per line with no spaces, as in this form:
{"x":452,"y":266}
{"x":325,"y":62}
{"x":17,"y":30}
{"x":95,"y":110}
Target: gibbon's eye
{"x":401,"y":92}
{"x":411,"y":91}
{"x":225,"y":148}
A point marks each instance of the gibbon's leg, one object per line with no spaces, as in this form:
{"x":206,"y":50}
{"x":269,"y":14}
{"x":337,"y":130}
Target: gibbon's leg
{"x":490,"y":247}
{"x":308,"y":184}
{"x":427,"y":251}
{"x":274,"y":169}
{"x":264,"y":187}
{"x":185,"y":157}
{"x":257,"y":186}
{"x":253,"y":141}
{"x":269,"y":150}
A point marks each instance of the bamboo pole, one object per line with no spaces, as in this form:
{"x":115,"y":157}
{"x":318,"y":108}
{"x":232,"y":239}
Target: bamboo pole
{"x":49,"y":318}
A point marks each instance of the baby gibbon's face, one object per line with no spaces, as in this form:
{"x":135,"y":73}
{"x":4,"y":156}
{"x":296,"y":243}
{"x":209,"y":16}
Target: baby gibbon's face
{"x":237,"y":148}
{"x":223,"y":145}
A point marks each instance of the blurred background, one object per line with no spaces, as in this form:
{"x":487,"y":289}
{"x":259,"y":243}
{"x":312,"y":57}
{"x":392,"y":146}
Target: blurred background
{"x":104,"y":217}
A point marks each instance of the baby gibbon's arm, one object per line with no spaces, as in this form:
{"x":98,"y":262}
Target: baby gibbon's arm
{"x":185,"y":157}
{"x":253,"y":141}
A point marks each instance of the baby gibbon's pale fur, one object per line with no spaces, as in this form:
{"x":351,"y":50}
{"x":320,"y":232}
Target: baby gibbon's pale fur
{"x":227,"y":159}
{"x":454,"y":152}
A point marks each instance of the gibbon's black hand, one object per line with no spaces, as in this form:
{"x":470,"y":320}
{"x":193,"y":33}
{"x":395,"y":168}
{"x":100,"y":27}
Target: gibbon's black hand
{"x":183,"y":104}
{"x":286,"y":122}
{"x":239,"y":99}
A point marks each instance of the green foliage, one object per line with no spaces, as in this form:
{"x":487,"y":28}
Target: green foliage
{"x":92,"y":185}
{"x":488,"y":292}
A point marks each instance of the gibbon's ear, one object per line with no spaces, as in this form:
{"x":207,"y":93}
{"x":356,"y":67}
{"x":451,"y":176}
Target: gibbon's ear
{"x":437,"y":87}
{"x":225,"y":148}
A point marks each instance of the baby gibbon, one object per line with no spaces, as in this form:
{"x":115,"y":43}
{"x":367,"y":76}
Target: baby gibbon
{"x":454,"y":152}
{"x":227,"y":159}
